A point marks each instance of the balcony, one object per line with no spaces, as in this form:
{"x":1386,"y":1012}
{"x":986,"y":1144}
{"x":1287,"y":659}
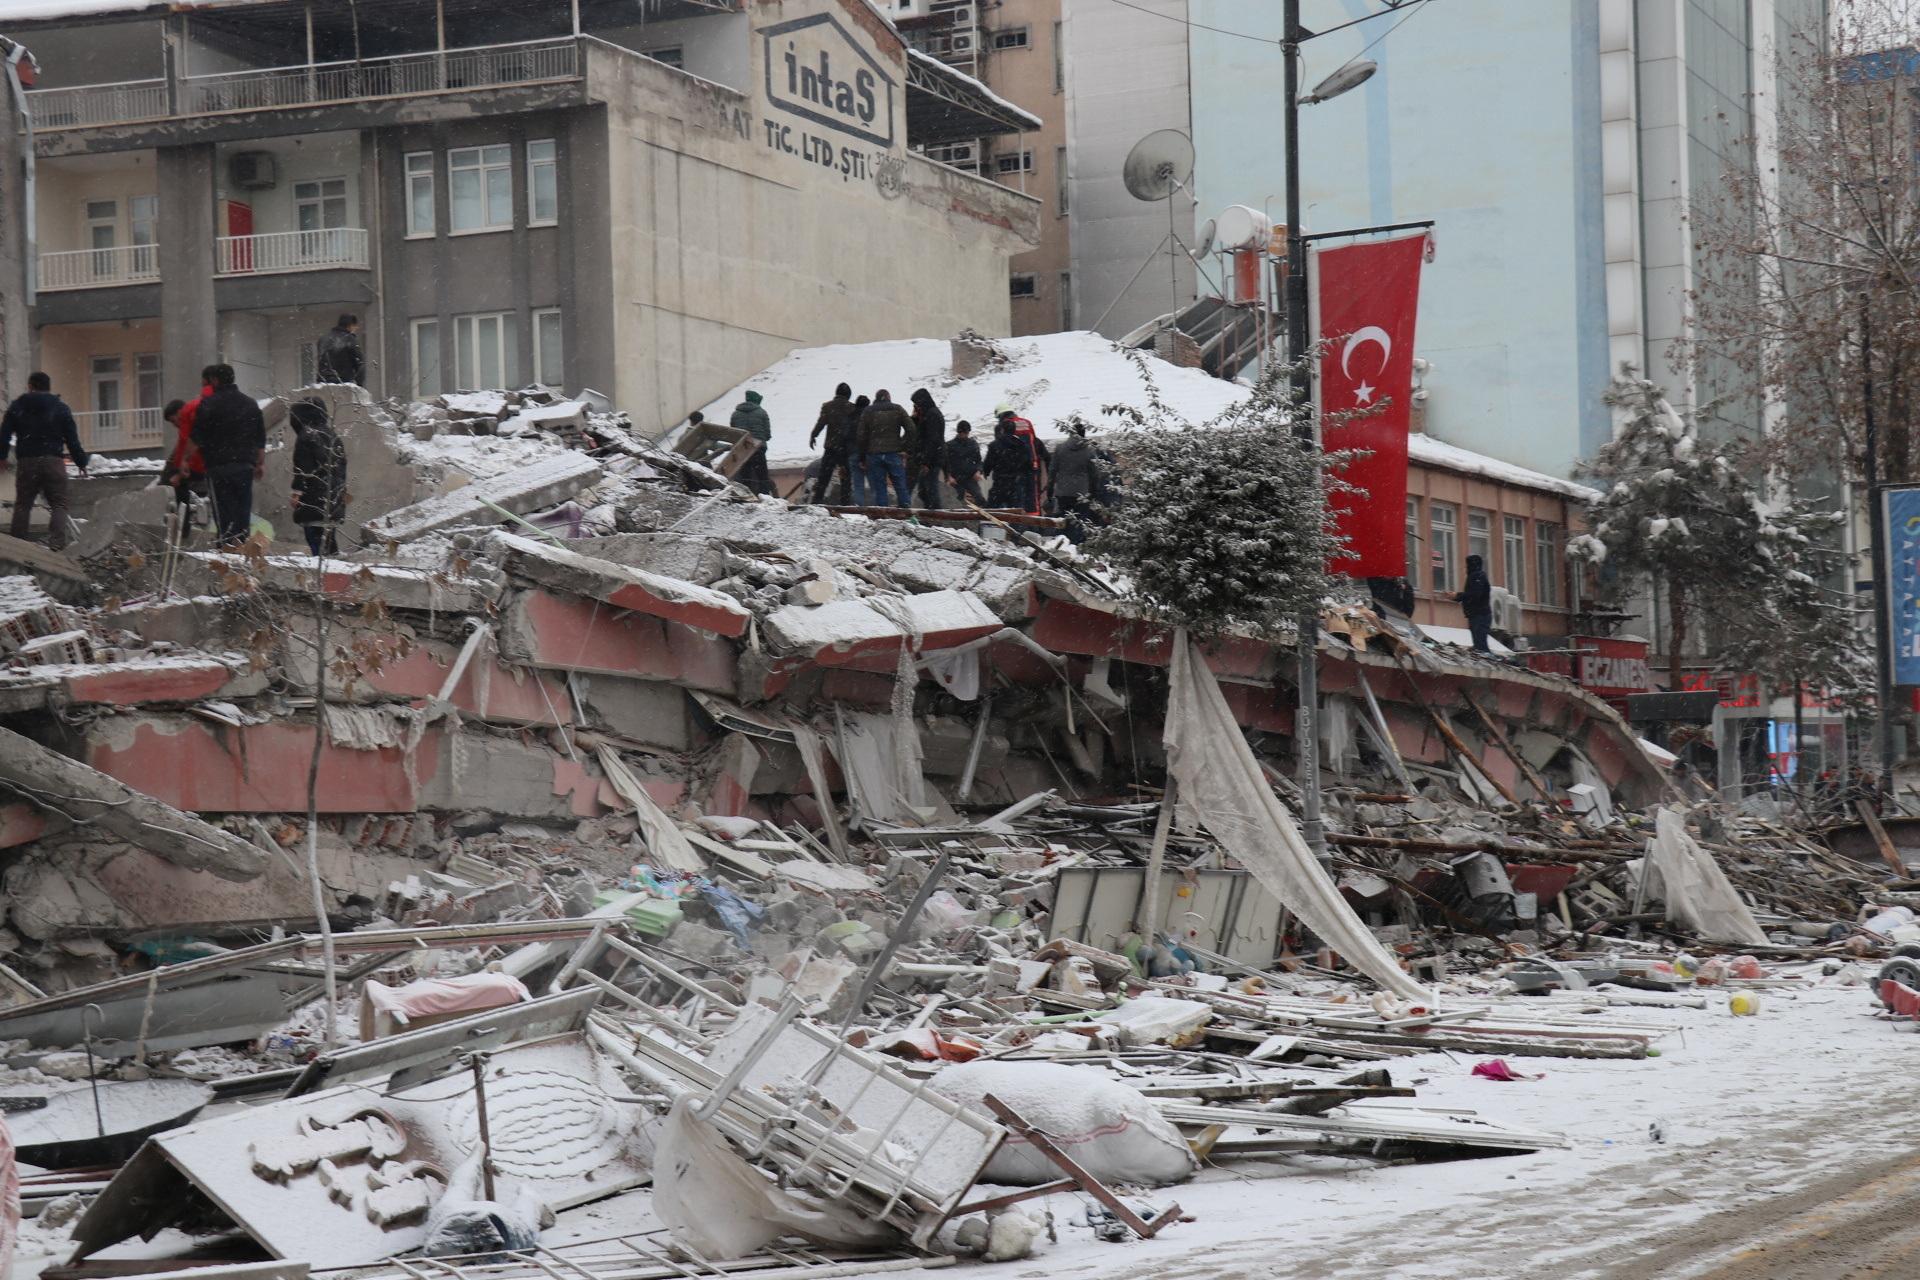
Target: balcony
{"x":122,"y":429}
{"x":279,"y":252}
{"x":99,"y":268}
{"x":282,"y":88}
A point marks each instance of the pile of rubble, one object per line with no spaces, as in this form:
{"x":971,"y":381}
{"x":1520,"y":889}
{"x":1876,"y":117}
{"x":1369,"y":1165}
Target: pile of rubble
{"x":772,"y":874}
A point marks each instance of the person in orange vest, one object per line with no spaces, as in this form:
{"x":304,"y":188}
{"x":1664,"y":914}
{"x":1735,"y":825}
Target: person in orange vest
{"x":1034,"y":454}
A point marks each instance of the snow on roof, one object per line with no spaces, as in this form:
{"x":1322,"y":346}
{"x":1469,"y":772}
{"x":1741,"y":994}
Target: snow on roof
{"x":973,"y":85}
{"x":1048,"y":379}
{"x":37,"y":10}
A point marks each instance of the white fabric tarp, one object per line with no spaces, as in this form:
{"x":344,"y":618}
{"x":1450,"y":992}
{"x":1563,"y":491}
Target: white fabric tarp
{"x":1698,"y":896}
{"x":1223,"y":788}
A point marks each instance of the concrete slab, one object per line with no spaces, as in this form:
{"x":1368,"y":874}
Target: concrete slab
{"x":639,"y":590}
{"x":868,"y":633}
{"x":570,"y":634}
{"x":529,"y":488}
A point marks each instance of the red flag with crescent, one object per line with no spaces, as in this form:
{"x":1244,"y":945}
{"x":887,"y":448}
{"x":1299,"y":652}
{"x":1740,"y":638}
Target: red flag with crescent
{"x":1366,"y":297}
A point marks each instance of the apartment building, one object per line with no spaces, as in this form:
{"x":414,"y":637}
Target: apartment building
{"x":1017,"y":48}
{"x":650,"y":201}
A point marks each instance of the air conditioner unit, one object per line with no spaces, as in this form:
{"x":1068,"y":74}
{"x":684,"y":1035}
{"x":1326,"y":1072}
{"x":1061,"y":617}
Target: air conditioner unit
{"x":1509,"y":611}
{"x":253,"y":170}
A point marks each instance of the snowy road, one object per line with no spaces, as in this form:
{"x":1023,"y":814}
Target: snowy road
{"x":1782,"y":1154}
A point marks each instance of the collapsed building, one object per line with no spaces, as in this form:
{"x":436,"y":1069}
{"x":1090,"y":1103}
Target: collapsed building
{"x":755,"y":869}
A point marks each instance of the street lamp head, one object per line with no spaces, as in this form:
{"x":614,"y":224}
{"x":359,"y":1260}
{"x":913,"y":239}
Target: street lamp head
{"x":1351,"y":76}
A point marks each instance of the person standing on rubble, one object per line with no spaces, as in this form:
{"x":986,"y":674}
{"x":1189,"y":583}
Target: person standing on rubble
{"x":1074,"y":481}
{"x":838,"y":419}
{"x":884,"y":432}
{"x":185,"y":469}
{"x":1030,"y":459}
{"x":750,"y":417}
{"x":929,"y":446}
{"x":231,"y":434}
{"x":340,"y":358}
{"x":963,"y":463}
{"x":44,"y":427}
{"x":1477,"y":603}
{"x":319,"y":477}
{"x":1006,"y":466}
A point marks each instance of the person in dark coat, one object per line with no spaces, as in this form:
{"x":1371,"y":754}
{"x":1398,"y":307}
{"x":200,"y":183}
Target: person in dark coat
{"x":319,"y":477}
{"x":231,"y":434}
{"x":1036,"y":454}
{"x":1477,"y":603}
{"x":927,"y":449}
{"x":39,"y":426}
{"x":1074,"y":481}
{"x":963,"y":463}
{"x":340,"y":358}
{"x":1009,"y":465}
{"x":839,"y":420}
{"x":885,"y":430}
{"x":749,"y":417}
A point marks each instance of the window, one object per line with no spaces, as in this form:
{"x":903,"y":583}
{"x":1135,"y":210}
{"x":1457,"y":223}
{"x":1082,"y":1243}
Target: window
{"x":105,"y":375}
{"x":674,"y":56}
{"x":485,"y":351}
{"x":143,"y":221}
{"x":1515,"y":548}
{"x":103,"y":233}
{"x":961,"y":155}
{"x":548,"y":369}
{"x":1480,"y":538}
{"x":1020,"y":163}
{"x":420,"y":193}
{"x":480,"y":189}
{"x":1010,"y":38}
{"x":1413,"y":541}
{"x":320,"y":211}
{"x":1066,"y":301}
{"x":1022,"y":286}
{"x":146,"y":382}
{"x":543,"y":182}
{"x":1445,"y":547}
{"x":1546,"y":561}
{"x":426,"y":358}
{"x":1059,"y":59}
{"x":1062,"y":194}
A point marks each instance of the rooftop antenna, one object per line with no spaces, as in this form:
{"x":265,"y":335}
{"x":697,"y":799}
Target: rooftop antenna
{"x":1158,"y":168}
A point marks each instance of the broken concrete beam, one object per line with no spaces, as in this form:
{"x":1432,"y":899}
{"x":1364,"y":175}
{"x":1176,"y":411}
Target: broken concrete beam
{"x":639,"y":590}
{"x":566,"y":417}
{"x":1066,"y":627}
{"x":488,"y":690}
{"x":395,"y":586}
{"x":540,"y":484}
{"x":137,"y":818}
{"x":567,"y":633}
{"x":58,"y":574}
{"x":641,"y":710}
{"x":864,"y":632}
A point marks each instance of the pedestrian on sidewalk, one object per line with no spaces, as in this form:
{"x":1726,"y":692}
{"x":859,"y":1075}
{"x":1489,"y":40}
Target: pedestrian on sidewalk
{"x":885,"y":430}
{"x":340,"y":358}
{"x":838,"y":419}
{"x":963,"y":463}
{"x":319,"y":477}
{"x":749,"y":417}
{"x":1477,"y":603}
{"x":40,"y":426}
{"x":927,"y":449}
{"x":231,"y":434}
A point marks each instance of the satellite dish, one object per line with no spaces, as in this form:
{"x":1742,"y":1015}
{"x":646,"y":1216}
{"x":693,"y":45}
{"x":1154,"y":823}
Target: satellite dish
{"x":1159,"y":165}
{"x":1208,"y":230}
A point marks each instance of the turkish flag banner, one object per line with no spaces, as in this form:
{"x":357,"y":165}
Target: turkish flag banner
{"x":1365,"y":299}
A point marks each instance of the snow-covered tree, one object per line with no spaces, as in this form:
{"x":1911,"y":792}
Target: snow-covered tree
{"x":1680,"y":513}
{"x":1223,"y":525}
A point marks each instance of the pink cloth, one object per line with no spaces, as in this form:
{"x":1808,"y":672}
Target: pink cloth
{"x":1497,"y":1069}
{"x":427,"y":997}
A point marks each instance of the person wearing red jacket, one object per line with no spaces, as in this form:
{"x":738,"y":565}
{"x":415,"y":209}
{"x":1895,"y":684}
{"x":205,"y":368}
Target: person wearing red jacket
{"x":186,"y":470}
{"x":1035,"y":454}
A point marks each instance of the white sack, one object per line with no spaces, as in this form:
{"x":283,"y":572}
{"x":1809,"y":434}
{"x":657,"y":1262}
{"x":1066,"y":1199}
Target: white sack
{"x":1697,"y":893}
{"x":1109,"y":1128}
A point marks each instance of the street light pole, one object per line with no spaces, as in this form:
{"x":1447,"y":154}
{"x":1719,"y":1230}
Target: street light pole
{"x":1306,"y":719}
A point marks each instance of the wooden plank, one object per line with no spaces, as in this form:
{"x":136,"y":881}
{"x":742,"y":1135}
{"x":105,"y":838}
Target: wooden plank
{"x":1880,"y":837}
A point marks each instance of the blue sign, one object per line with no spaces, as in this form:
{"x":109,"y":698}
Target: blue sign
{"x":1903,"y":580}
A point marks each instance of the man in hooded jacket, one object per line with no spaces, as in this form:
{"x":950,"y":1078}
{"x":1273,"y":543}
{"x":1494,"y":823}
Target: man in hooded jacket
{"x":927,"y":449}
{"x":1477,"y":603}
{"x":1075,"y":480}
{"x":749,"y":417}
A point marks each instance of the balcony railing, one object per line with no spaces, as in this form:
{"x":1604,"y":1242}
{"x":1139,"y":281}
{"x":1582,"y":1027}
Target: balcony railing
{"x":278,"y":251}
{"x":99,"y":268}
{"x":278,"y":88}
{"x":120,"y":429}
